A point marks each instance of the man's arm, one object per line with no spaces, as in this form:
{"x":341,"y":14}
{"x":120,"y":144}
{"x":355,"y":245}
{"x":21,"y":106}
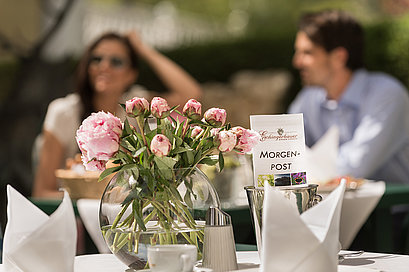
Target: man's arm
{"x":378,"y":137}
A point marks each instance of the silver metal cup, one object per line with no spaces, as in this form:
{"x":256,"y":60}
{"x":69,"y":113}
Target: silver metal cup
{"x":303,"y":197}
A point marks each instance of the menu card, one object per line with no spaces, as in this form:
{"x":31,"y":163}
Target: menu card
{"x":278,"y":159}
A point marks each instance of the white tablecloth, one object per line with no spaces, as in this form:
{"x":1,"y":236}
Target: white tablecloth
{"x":89,"y":213}
{"x":356,"y":208}
{"x":368,"y":261}
{"x":249,"y":262}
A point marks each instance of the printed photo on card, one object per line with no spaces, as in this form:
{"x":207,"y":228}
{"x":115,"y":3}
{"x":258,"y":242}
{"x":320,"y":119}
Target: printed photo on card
{"x":278,"y":159}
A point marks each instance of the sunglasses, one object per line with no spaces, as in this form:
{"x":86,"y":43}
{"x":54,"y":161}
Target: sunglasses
{"x":114,"y":62}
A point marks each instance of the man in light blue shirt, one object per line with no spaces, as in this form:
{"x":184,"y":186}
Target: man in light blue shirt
{"x":371,"y":110}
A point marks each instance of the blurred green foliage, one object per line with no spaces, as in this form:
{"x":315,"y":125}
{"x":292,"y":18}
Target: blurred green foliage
{"x":387,"y":47}
{"x":8,"y":74}
{"x":387,"y":50}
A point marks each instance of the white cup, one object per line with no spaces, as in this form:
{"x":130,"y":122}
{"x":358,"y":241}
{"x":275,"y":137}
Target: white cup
{"x":172,"y":258}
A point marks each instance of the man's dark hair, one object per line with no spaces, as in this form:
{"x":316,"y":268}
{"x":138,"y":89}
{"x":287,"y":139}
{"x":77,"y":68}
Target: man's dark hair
{"x":333,"y":28}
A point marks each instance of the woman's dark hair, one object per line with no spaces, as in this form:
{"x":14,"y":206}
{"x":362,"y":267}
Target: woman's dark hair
{"x":334,"y":28}
{"x":84,"y":87}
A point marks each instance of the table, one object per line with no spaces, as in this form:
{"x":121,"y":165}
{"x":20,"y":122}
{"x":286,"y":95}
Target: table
{"x":249,"y":261}
{"x":377,"y":230}
{"x":365,"y":262}
{"x":357,"y":207}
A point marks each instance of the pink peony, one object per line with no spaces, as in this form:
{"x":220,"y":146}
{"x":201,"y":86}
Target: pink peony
{"x":136,"y":106}
{"x":192,"y":109}
{"x":226,"y":140}
{"x":93,"y":165}
{"x":196,"y":131}
{"x":214,"y":131}
{"x":215,"y":116}
{"x":160,"y":145}
{"x":98,"y":138}
{"x":246,"y":139}
{"x":159,"y":107}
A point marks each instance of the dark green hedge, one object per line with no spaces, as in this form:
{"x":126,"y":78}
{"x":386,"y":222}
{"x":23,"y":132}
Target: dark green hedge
{"x":219,"y":60}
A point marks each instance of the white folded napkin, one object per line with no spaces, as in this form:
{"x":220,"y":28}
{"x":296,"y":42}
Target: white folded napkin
{"x":306,"y":242}
{"x":321,"y":158}
{"x":34,"y":241}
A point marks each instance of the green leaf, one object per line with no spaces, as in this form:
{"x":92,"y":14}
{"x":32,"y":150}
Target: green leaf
{"x":174,"y":109}
{"x":178,"y":150}
{"x":207,"y":143}
{"x":179,"y":128}
{"x":187,"y":199}
{"x":165,"y":165}
{"x":221,"y":161}
{"x":190,"y":157}
{"x":208,"y":161}
{"x":135,"y":172}
{"x":109,"y":171}
{"x":198,"y":155}
{"x":164,"y":162}
{"x":139,"y":151}
{"x":127,"y":130}
{"x":146,"y":126}
{"x":120,"y":179}
{"x":175,"y":192}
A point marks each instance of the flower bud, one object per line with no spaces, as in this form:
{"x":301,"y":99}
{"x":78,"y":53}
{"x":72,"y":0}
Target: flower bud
{"x":226,"y":140}
{"x":159,"y":107}
{"x":246,"y":139}
{"x":215,"y":117}
{"x":196,"y":131}
{"x":136,"y":106}
{"x":160,"y":145}
{"x":192,"y":109}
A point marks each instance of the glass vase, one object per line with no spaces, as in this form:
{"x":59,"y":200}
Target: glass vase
{"x":133,"y":217}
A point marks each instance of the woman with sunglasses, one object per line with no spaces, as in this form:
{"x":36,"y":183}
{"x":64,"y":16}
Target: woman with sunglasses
{"x":106,"y":76}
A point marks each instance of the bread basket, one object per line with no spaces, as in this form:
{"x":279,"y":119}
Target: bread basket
{"x":84,"y":185}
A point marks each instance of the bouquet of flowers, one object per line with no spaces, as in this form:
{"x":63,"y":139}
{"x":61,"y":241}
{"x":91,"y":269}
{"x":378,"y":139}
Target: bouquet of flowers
{"x":159,"y":159}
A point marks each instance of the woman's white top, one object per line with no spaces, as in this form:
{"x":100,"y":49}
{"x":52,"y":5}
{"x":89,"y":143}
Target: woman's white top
{"x":63,"y":118}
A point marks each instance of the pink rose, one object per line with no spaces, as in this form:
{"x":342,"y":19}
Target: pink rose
{"x":215,"y":117}
{"x":196,"y":131}
{"x":192,"y":109}
{"x":246,"y":139}
{"x":226,"y":140}
{"x":160,"y":145}
{"x":98,"y":138}
{"x":136,"y":106}
{"x":159,"y":107}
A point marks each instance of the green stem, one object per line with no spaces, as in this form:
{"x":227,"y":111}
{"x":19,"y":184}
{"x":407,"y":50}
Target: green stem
{"x":158,"y":120}
{"x":203,"y":137}
{"x":185,"y":128}
{"x":139,"y":119}
{"x":126,"y":221}
{"x":120,"y":214}
{"x":181,"y":214}
{"x":149,"y":216}
{"x":162,"y":210}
